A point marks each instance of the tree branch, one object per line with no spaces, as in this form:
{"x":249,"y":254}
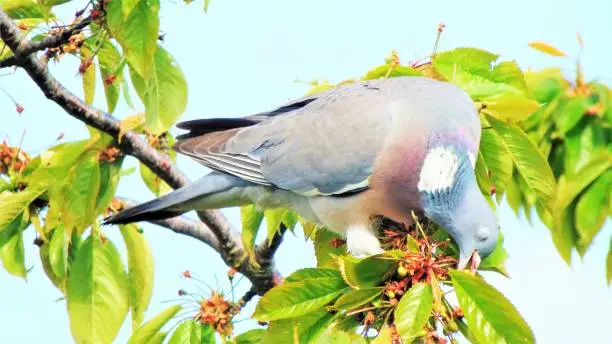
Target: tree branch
{"x":229,"y":247}
{"x":47,"y":42}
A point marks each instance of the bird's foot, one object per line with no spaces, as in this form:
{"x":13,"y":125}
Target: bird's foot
{"x":361,"y":242}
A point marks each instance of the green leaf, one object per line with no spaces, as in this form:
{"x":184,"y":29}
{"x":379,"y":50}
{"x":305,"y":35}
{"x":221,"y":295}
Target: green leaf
{"x":255,"y":336}
{"x":58,"y":252}
{"x":382,"y":71}
{"x":153,"y":181}
{"x":97,"y":292}
{"x":140,"y":271}
{"x":413,"y":311}
{"x":491,"y":317}
{"x":324,"y":250}
{"x":251,"y":219}
{"x":367,"y":272}
{"x":137,"y":34}
{"x":88,"y":75}
{"x":582,"y":143}
{"x":110,"y":173}
{"x":21,"y":9}
{"x":128,"y":6}
{"x":510,"y":107}
{"x":473,"y":70}
{"x":571,"y":113}
{"x":164,"y":93}
{"x":497,"y":159}
{"x":112,"y":76}
{"x":528,"y":160}
{"x":293,"y":299}
{"x":545,"y":84}
{"x":82,"y":185}
{"x":192,"y":332}
{"x":307,"y":328}
{"x":356,"y":298}
{"x":13,"y":204}
{"x":592,"y":210}
{"x":58,"y":282}
{"x":497,"y":259}
{"x":312,"y":273}
{"x":158,"y":338}
{"x":12,"y":254}
{"x":153,"y":327}
{"x":276,"y":216}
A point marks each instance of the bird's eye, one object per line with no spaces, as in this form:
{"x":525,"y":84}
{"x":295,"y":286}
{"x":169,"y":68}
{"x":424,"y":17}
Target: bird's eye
{"x":482,"y":234}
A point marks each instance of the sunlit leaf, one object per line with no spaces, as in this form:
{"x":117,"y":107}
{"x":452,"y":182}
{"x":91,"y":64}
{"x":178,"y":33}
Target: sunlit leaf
{"x":497,"y":159}
{"x":255,"y":336}
{"x":368,"y":272}
{"x":97,"y":292}
{"x":134,"y":122}
{"x":490,"y":316}
{"x":110,"y":173}
{"x":274,"y":218}
{"x":545,"y":84}
{"x":164,"y":93}
{"x":413,"y":311}
{"x":20,"y":9}
{"x":496,"y":260}
{"x":571,"y":113}
{"x":592,"y":210}
{"x":14,"y":204}
{"x":527,"y":159}
{"x":307,"y":328}
{"x":128,"y":6}
{"x":153,"y":327}
{"x":192,"y":332}
{"x":137,"y":34}
{"x":293,"y":299}
{"x":58,"y":252}
{"x":251,"y":219}
{"x":510,"y":107}
{"x":355,"y":298}
{"x":546,"y":48}
{"x":12,"y":254}
{"x":140,"y":271}
{"x":111,"y":71}
{"x":324,"y":248}
{"x":82,"y":185}
{"x":153,"y":181}
{"x":88,"y":74}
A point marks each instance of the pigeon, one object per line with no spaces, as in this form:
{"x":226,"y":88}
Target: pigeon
{"x":383,"y":147}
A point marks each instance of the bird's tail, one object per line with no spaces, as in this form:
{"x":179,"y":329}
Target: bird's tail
{"x":215,"y":187}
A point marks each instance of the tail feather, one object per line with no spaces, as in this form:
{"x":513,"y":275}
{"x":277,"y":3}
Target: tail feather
{"x":178,"y":201}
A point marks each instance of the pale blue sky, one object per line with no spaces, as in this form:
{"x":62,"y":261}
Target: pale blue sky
{"x":242,"y":57}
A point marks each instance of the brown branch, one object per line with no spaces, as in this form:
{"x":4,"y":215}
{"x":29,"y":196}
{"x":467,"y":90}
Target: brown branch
{"x":47,"y":42}
{"x":229,"y":247}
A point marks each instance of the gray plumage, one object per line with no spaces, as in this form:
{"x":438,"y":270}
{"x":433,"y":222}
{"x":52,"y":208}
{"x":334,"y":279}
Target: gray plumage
{"x":379,"y":147}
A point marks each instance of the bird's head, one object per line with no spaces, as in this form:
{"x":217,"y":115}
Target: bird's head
{"x":452,"y":199}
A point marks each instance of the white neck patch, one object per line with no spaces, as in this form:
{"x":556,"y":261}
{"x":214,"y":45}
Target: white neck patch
{"x":439,"y":169}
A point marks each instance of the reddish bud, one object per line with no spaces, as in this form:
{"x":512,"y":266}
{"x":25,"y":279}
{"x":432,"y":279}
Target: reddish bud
{"x":337,"y":242}
{"x":19,"y":108}
{"x":231,"y":273}
{"x":110,"y":79}
{"x":181,"y":292}
{"x":187,"y":274}
{"x":85,"y":64}
{"x":493,"y":190}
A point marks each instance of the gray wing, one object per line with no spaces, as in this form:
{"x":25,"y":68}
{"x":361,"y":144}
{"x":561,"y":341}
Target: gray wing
{"x":326,"y":145}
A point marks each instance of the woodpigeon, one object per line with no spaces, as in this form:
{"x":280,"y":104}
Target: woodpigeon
{"x":381,"y":147}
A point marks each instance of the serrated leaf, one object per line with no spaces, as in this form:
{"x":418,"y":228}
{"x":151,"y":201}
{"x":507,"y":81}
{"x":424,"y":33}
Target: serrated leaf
{"x":592,"y":210}
{"x":277,"y":216}
{"x":21,"y":9}
{"x":413,"y":311}
{"x":58,"y":252}
{"x":324,"y":250}
{"x":111,"y":71}
{"x":528,"y":160}
{"x":309,"y":228}
{"x":356,"y":298}
{"x":88,"y":75}
{"x":367,"y":272}
{"x":293,"y":299}
{"x":97,"y":292}
{"x":473,"y":70}
{"x":137,"y":34}
{"x":255,"y":336}
{"x":510,"y":107}
{"x":312,"y":273}
{"x":164,"y":93}
{"x":307,"y":328}
{"x":140,"y":271}
{"x":153,"y":327}
{"x":569,"y":187}
{"x":192,"y":332}
{"x":251,"y":219}
{"x":546,"y":48}
{"x":82,"y":185}
{"x":490,"y":316}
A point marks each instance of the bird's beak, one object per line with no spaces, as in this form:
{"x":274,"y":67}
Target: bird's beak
{"x":464,"y":259}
